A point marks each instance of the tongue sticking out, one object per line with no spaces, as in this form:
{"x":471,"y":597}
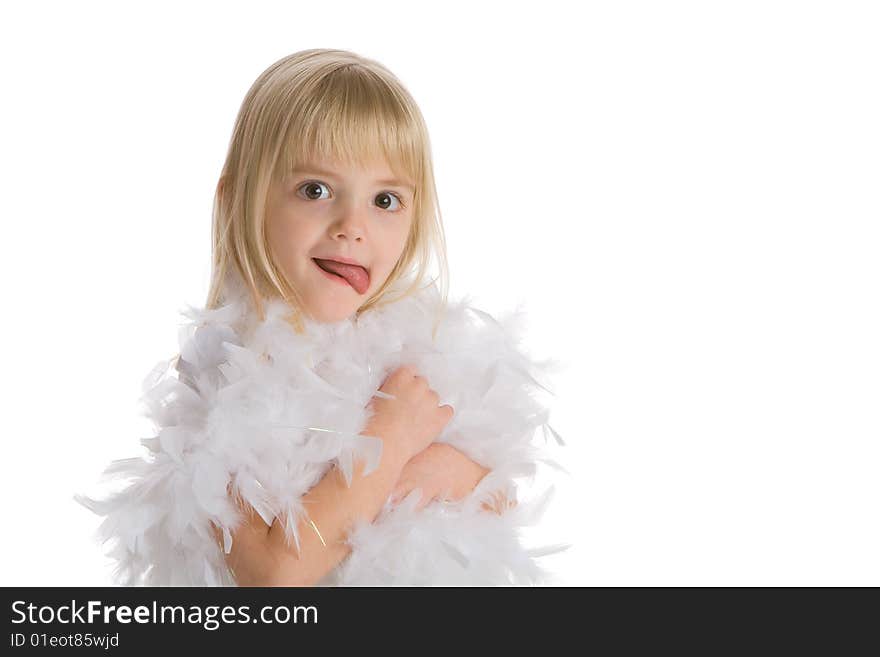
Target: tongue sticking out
{"x":356,"y":276}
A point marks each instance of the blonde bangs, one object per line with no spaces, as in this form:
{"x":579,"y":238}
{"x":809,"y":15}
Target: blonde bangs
{"x":355,"y":119}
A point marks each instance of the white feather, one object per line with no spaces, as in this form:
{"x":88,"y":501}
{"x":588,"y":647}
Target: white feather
{"x":262,"y":412}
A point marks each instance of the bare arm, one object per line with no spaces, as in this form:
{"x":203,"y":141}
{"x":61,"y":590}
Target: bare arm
{"x":406,"y":419}
{"x":442,"y":471}
{"x":333,"y":506}
{"x":260,"y":555}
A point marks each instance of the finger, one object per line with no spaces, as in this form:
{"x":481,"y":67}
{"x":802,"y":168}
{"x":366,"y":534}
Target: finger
{"x":446,"y":495}
{"x":399,"y":493}
{"x":423,"y":502}
{"x":419,"y":494}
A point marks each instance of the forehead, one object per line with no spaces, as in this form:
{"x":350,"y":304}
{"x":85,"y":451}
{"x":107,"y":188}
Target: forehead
{"x":377,"y":171}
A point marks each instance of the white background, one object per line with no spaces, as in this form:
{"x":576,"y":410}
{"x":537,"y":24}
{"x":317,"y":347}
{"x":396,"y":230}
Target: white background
{"x":684,"y":195}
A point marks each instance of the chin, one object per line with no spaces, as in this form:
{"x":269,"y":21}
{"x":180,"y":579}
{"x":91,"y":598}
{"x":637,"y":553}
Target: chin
{"x":331,"y":315}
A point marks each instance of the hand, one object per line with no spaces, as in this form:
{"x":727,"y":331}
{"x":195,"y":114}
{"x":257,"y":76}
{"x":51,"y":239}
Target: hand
{"x":442,"y":472}
{"x":414,"y":418}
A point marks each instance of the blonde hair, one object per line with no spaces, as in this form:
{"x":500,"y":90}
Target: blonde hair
{"x":326,"y":104}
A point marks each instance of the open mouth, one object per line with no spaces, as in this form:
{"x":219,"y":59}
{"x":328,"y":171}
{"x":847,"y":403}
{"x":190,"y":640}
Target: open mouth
{"x":329,"y":274}
{"x":355,"y":276}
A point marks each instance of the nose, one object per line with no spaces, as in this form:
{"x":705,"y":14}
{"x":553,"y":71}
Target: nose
{"x":349,"y":224}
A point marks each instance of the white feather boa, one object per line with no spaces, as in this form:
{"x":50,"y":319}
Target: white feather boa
{"x":260,"y":410}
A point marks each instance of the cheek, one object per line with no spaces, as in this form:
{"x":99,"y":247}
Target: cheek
{"x":290,"y":236}
{"x":395,"y":240}
{"x":389,"y":249}
{"x":280,"y":240}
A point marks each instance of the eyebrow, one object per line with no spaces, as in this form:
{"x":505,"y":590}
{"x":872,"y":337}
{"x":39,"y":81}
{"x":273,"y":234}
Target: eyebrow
{"x":329,"y":174}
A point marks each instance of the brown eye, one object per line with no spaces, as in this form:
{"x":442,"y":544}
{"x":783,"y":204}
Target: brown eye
{"x":312,"y":190}
{"x":386,"y":199}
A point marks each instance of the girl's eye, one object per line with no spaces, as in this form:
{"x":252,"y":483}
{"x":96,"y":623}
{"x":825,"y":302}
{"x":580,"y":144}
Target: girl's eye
{"x":384,"y":203}
{"x":313,"y":188}
{"x":385,"y":200}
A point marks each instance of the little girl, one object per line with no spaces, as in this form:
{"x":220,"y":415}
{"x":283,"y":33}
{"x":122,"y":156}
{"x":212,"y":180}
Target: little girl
{"x":332,"y":421}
